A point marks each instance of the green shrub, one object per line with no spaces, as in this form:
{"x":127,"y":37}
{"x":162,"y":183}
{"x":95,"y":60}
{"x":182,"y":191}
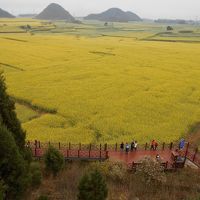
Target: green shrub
{"x":54,"y":160}
{"x":92,"y":187}
{"x":43,"y":197}
{"x":116,"y":171}
{"x":36,"y":174}
{"x":2,"y":190}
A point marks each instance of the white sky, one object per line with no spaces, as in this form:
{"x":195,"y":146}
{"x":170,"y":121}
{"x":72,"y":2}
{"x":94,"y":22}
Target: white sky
{"x":182,"y":9}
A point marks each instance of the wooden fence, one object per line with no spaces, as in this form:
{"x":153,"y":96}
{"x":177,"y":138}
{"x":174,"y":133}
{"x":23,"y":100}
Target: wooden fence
{"x":100,"y":151}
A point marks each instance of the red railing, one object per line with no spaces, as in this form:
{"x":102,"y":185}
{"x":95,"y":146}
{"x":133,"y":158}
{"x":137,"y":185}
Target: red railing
{"x":194,"y":156}
{"x":105,"y":147}
{"x":73,"y":154}
{"x":100,"y":151}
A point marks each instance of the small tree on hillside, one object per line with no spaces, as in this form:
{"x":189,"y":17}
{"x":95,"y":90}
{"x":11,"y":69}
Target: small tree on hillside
{"x":170,"y":28}
{"x":8,"y":116}
{"x":13,"y":168}
{"x":54,"y":160}
{"x":92,"y":186}
{"x":36,"y":174}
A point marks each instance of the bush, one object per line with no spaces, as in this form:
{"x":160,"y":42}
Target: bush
{"x":54,"y":160}
{"x":150,"y":171}
{"x":169,"y":28}
{"x":116,"y":171}
{"x":43,"y":197}
{"x":92,"y":187}
{"x":36,"y":174}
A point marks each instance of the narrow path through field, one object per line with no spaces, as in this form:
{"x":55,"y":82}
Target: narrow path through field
{"x":38,"y":109}
{"x":11,"y":66}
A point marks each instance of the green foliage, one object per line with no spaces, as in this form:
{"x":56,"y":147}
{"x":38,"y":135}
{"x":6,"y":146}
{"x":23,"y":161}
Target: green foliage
{"x":169,"y":28}
{"x":92,"y":186}
{"x":43,"y":197}
{"x":54,"y":160}
{"x":2,"y":190}
{"x":36,"y":174}
{"x":8,"y":116}
{"x":13,"y":167}
{"x":116,"y":171}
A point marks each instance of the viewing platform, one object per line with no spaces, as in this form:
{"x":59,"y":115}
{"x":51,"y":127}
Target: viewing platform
{"x":168,"y":154}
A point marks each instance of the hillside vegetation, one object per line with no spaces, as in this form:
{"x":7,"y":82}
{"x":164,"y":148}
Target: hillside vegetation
{"x":114,"y":15}
{"x":55,"y":12}
{"x":92,"y":83}
{"x":5,"y":14}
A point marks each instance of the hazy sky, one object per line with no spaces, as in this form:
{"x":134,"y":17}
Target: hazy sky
{"x":187,"y":9}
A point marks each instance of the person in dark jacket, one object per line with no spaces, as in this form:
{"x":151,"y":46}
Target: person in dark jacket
{"x":132,"y":145}
{"x":122,"y":146}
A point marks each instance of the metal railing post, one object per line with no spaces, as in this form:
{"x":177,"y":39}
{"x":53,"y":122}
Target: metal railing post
{"x":146,"y":146}
{"x":163,"y":147}
{"x":196,"y":151}
{"x":171,"y":146}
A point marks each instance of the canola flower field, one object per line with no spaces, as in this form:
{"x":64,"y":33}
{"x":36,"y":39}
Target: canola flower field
{"x":90,"y":83}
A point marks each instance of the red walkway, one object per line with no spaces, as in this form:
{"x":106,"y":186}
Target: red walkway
{"x":102,"y":152}
{"x":137,"y":156}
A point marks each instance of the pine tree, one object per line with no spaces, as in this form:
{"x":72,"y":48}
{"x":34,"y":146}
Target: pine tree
{"x":54,"y":160}
{"x":13,"y":167}
{"x":92,"y":186}
{"x":14,"y":157}
{"x":8,"y":116}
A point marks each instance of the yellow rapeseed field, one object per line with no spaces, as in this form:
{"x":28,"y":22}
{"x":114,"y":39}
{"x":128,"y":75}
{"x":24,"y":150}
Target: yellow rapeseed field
{"x":104,"y":89}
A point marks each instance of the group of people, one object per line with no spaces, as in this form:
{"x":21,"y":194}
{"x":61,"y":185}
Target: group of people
{"x":127,"y":147}
{"x":133,"y":146}
{"x":154,"y":145}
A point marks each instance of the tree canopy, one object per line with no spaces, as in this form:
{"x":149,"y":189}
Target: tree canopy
{"x":13,"y":168}
{"x":92,"y":186}
{"x":8,"y":116}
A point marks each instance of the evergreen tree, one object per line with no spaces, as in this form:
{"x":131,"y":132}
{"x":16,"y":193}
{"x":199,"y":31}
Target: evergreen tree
{"x":2,"y":190}
{"x":54,"y":160}
{"x":13,"y":168}
{"x":92,"y":186}
{"x":8,"y":116}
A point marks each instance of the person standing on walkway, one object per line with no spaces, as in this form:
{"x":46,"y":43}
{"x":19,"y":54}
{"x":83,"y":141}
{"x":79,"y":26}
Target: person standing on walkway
{"x":135,"y":145}
{"x":122,"y":146}
{"x":156,"y":146}
{"x":127,"y":148}
{"x":152,"y":145}
{"x":181,"y":144}
{"x":132,"y":145}
{"x":158,"y":158}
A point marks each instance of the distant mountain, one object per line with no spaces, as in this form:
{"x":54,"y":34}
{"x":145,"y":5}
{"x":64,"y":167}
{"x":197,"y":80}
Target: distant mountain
{"x":55,"y":12}
{"x":114,"y":15}
{"x":171,"y":21}
{"x":5,"y":14}
{"x":27,"y":15}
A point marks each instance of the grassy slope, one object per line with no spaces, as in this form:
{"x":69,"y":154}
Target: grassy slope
{"x":120,"y":87}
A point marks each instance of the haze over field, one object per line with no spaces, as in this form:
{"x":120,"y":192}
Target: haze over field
{"x":185,"y":9}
